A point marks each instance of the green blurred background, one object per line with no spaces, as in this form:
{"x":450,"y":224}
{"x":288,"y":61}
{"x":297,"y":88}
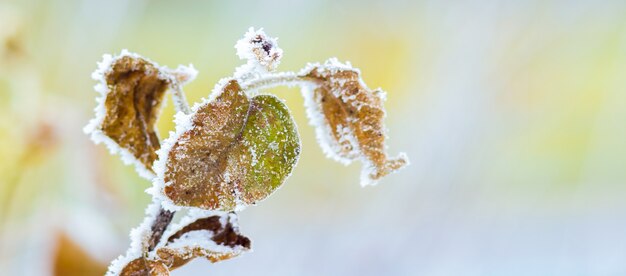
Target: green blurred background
{"x":512,"y":112}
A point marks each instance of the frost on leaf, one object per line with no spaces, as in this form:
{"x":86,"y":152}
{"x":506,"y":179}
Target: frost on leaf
{"x":235,"y":151}
{"x":260,"y":50}
{"x":349,"y":119}
{"x":132,"y":89}
{"x":144,"y":267}
{"x":228,"y":152}
{"x":215,"y":238}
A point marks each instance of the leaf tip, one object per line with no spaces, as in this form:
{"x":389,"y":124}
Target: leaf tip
{"x":371,"y":174}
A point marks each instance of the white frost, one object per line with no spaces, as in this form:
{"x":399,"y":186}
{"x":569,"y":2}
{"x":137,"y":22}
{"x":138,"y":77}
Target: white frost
{"x":182,"y":74}
{"x":323,"y":132}
{"x":252,"y":85}
{"x":262,"y":56}
{"x":331,"y":147}
{"x":139,"y":237}
{"x":183,"y":124}
{"x":261,"y":53}
{"x":202,"y":238}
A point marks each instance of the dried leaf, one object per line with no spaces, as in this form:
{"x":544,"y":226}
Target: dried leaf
{"x":216,"y":238}
{"x":349,"y":119}
{"x":208,"y":234}
{"x":133,"y":89}
{"x":145,"y":267}
{"x":234,"y":152}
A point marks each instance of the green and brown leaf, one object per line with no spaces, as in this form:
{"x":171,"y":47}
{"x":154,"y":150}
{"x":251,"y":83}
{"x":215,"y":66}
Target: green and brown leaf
{"x":238,"y":151}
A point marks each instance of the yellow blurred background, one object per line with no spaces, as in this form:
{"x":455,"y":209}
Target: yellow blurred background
{"x":512,"y":112}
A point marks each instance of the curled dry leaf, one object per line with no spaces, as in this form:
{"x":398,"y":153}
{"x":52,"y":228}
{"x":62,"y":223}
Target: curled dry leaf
{"x":230,"y":153}
{"x":210,"y":237}
{"x":349,"y":119}
{"x":215,"y":238}
{"x":133,"y":90}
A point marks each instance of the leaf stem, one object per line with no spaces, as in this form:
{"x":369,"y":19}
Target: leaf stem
{"x":162,"y":220}
{"x":164,"y":217}
{"x":180,"y":101}
{"x":278,"y":79}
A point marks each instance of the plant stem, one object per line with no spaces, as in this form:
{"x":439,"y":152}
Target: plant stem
{"x":277,"y":79}
{"x":164,"y":217}
{"x":180,"y":101}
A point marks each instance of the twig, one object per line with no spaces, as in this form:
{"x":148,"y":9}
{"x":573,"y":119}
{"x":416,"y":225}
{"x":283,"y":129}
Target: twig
{"x":180,"y":101}
{"x":164,"y":217}
{"x":277,"y":79}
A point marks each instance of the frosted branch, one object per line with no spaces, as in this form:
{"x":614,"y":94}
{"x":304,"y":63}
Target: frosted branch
{"x":278,"y":79}
{"x":162,"y":220}
{"x":180,"y":101}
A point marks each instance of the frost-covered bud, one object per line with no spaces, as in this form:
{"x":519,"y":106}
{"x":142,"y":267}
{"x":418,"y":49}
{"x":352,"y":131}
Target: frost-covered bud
{"x":260,"y":50}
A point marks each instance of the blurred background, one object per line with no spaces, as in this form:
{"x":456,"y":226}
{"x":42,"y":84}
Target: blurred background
{"x":512,"y":112}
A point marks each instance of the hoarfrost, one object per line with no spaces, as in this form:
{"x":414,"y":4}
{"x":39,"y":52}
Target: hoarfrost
{"x":348,"y":117}
{"x":220,"y":157}
{"x":139,"y":237}
{"x":256,"y":131}
{"x":210,"y":234}
{"x":179,"y":76}
{"x":183,"y":124}
{"x":205,"y":234}
{"x":323,"y":131}
{"x":261,"y":53}
{"x":202,"y":238}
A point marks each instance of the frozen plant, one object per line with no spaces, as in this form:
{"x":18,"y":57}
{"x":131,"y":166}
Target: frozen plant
{"x":231,"y":150}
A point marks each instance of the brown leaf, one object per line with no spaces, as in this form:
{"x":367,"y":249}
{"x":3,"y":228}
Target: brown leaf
{"x":133,"y":90}
{"x":225,"y":241}
{"x":145,"y":267}
{"x":176,"y":258}
{"x":227,"y":235}
{"x":132,"y":107}
{"x":237,"y":151}
{"x":351,"y":119}
{"x":215,"y":237}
